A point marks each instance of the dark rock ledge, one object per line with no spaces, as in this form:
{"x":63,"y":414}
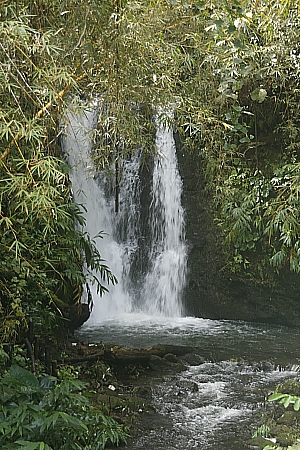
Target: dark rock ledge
{"x":168,"y":355}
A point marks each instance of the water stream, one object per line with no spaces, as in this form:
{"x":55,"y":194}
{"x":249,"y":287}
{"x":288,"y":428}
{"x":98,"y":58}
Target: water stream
{"x":234,"y":365}
{"x":212,"y":404}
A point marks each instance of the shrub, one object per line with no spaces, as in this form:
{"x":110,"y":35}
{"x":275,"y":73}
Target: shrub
{"x":47,"y":414}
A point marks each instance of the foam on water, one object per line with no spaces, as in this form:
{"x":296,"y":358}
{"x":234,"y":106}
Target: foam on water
{"x":219,"y":414}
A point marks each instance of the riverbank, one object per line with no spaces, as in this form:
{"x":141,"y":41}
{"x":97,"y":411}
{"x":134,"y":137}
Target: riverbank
{"x":280,"y":425}
{"x":235,"y":366}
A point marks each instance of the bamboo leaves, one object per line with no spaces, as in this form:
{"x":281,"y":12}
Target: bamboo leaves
{"x":269,"y":211}
{"x":41,"y":253}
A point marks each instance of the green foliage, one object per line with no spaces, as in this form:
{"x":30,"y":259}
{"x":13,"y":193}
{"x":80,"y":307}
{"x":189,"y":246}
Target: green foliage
{"x":286,"y":400}
{"x":230,"y":69}
{"x":250,"y":146}
{"x":99,"y":371}
{"x":4,"y":357}
{"x":264,"y":212}
{"x":263,"y":430}
{"x":43,"y":413}
{"x":68,"y":372}
{"x":41,"y":253}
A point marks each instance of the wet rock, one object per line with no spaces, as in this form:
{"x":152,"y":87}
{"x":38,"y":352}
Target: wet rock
{"x":291,"y":387}
{"x":119,"y":355}
{"x":78,"y":316}
{"x":178,"y":350}
{"x":258,"y":442}
{"x":158,"y":363}
{"x":289,"y":418}
{"x":193,"y":359}
{"x":161,"y":364}
{"x":187,"y":386}
{"x":142,"y":391}
{"x":172,"y":358}
{"x":265,"y":366}
{"x":286,"y":437}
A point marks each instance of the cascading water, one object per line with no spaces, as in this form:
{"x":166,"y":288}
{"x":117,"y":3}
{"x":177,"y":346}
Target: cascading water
{"x":87,"y":191}
{"x":164,"y":282}
{"x":218,"y":401}
{"x":150,"y":268}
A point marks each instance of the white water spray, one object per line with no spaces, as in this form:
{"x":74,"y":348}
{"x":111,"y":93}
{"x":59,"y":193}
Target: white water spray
{"x":154,"y":287}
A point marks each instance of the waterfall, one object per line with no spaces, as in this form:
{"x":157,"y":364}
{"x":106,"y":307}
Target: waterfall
{"x":142,"y":244}
{"x":164,"y":282}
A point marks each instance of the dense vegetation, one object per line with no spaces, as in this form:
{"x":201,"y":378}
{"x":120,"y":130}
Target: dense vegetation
{"x":255,"y":158}
{"x":231,"y":70}
{"x":49,"y":413}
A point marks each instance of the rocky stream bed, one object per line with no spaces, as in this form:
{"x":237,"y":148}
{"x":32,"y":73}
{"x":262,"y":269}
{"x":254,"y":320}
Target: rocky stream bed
{"x":121,"y":381}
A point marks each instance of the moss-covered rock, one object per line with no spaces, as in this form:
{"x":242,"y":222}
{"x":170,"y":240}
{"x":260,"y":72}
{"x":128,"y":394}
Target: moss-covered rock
{"x":283,"y":424}
{"x":258,"y":442}
{"x":291,"y":387}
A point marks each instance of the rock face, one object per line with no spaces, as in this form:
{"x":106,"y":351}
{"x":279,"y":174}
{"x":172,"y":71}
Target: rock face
{"x":78,"y":316}
{"x":210,"y":291}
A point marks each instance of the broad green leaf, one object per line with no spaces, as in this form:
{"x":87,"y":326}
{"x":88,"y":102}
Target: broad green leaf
{"x":286,"y":401}
{"x":47,"y":382}
{"x":297,"y":404}
{"x":259,"y":95}
{"x":24,"y":377}
{"x":276,"y":396}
